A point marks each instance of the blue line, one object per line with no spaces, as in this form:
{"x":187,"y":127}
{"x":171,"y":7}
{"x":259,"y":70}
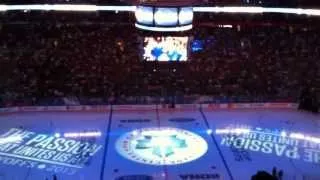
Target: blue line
{"x":106,"y":145}
{"x":216,"y":144}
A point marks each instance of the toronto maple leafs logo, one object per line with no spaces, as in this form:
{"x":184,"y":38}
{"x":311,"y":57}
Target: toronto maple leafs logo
{"x":161,"y":146}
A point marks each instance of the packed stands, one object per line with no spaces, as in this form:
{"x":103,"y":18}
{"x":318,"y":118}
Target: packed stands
{"x":45,"y":59}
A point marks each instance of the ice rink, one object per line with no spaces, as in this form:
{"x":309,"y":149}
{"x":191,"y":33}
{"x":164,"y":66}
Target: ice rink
{"x":159,"y":143}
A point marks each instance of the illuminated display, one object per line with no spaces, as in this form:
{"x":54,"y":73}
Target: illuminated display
{"x":166,"y":16}
{"x":166,"y":19}
{"x":185,"y":16}
{"x":161,"y":146}
{"x":144,"y":15}
{"x":165,"y":29}
{"x":50,"y":153}
{"x":296,"y":146}
{"x":166,"y":48}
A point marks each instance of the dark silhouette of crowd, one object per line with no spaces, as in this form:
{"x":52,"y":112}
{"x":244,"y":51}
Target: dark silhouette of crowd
{"x":45,"y":60}
{"x":263,"y":175}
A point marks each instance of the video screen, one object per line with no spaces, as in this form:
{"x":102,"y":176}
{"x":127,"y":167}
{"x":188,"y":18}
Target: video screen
{"x":166,"y":16}
{"x":197,"y":45}
{"x":185,"y":16}
{"x":144,"y":15}
{"x":166,"y":48}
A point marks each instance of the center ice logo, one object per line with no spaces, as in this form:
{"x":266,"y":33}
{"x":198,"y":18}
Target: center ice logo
{"x":161,"y":146}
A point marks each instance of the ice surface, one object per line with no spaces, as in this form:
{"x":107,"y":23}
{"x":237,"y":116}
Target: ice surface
{"x":229,"y":156}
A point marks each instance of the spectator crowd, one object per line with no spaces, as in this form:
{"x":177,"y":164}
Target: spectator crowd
{"x":93,"y":60}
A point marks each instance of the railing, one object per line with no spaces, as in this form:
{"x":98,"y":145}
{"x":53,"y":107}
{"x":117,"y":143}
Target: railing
{"x":150,"y":107}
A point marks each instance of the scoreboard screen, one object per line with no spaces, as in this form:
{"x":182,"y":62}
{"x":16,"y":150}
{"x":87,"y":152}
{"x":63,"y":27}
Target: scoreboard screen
{"x":164,"y":19}
{"x":144,"y":15}
{"x":165,"y":48}
{"x":166,"y":16}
